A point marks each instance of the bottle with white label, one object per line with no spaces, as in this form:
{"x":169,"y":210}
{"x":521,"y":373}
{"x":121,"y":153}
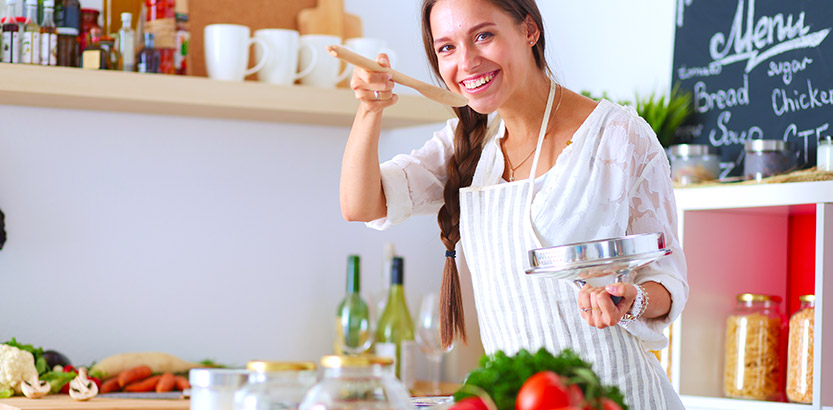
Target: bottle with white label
{"x":395,"y":330}
{"x":127,"y":43}
{"x":11,"y":34}
{"x":30,"y":43}
{"x":48,"y":35}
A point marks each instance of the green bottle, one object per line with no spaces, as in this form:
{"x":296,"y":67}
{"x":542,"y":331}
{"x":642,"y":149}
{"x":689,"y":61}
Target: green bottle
{"x":353,"y":315}
{"x":395,"y":330}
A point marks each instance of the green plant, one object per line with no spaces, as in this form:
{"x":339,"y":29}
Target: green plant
{"x":666,"y":113}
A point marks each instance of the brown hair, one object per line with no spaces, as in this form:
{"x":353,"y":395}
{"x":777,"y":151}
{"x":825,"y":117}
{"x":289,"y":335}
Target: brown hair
{"x":468,"y":143}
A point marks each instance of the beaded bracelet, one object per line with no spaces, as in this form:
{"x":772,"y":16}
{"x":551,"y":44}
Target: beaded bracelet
{"x":640,"y":305}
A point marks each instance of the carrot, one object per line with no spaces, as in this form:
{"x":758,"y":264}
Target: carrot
{"x":110,"y":385}
{"x":182,"y":383}
{"x":144,"y":385}
{"x":166,"y":383}
{"x":131,"y":375}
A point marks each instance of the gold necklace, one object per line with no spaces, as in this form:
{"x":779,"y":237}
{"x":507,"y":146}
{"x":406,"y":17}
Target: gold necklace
{"x":511,"y":168}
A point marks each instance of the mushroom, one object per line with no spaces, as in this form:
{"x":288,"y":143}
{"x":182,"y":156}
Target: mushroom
{"x":35,"y":388}
{"x":81,"y":388}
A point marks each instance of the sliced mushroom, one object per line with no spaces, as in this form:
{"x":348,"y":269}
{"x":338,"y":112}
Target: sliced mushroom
{"x":35,"y":388}
{"x":81,"y":388}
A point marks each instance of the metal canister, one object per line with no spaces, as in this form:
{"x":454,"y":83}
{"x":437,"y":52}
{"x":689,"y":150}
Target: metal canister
{"x":765,"y":158}
{"x":275,"y":385}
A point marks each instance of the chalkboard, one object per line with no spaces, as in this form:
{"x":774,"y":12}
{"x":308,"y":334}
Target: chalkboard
{"x":756,"y":70}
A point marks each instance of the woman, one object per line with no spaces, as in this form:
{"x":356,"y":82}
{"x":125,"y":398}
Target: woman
{"x":552,"y":167}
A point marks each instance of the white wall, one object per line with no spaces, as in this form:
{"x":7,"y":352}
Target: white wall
{"x":223,"y":239}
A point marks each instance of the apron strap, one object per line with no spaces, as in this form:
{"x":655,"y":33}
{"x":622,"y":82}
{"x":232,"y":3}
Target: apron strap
{"x":541,"y":134}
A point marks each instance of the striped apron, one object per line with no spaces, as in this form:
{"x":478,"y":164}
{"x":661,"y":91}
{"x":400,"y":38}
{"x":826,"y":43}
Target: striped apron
{"x":515,"y":311}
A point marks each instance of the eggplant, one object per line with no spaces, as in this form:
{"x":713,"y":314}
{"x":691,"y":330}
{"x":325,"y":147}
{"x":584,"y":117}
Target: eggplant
{"x":54,"y":358}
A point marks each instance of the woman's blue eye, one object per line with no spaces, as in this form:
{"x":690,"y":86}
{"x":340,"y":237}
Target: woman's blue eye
{"x":444,"y":48}
{"x":483,"y":36}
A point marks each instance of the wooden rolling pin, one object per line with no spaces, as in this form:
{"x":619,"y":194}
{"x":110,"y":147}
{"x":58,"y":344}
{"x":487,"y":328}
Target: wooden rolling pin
{"x":433,"y":92}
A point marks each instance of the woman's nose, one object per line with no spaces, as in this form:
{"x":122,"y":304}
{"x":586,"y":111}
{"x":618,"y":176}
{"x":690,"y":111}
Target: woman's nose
{"x":469,"y":58}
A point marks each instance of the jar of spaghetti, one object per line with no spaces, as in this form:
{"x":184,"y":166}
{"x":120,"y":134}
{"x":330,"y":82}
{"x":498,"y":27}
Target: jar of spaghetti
{"x":753,"y":333}
{"x":800,"y":357}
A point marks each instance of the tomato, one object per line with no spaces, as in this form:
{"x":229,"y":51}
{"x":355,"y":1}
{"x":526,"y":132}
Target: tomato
{"x":543,"y":391}
{"x":608,"y":404}
{"x":97,"y":381}
{"x":469,"y":403}
{"x":69,"y":369}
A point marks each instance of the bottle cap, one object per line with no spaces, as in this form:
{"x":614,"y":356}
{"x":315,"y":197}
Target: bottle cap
{"x":31,"y":3}
{"x":127,"y":17}
{"x":396,"y":272}
{"x":10,"y":2}
{"x":67,"y":31}
{"x":48,"y":4}
{"x":265,"y":366}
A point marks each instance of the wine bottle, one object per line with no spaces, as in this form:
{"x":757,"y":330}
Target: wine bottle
{"x":353,"y":315}
{"x":395,"y":331}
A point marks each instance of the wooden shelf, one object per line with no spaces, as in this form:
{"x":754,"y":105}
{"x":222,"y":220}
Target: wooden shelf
{"x":62,"y":87}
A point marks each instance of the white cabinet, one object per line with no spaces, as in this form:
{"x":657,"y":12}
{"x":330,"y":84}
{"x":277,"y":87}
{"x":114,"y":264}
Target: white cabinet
{"x":736,"y":241}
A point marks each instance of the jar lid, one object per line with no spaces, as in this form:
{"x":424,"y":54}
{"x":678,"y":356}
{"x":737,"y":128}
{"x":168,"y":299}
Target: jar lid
{"x":354,"y":361}
{"x":71,"y":31}
{"x":826,"y":138}
{"x":807,"y":298}
{"x":691,"y":150}
{"x":765,"y":145}
{"x":754,"y":297}
{"x":218,"y":377}
{"x":264,"y":366}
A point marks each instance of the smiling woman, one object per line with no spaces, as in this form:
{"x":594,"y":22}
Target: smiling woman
{"x":585,"y":171}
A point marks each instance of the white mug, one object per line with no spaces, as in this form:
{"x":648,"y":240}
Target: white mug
{"x":369,"y":47}
{"x":325,"y":71}
{"x":282,"y":65}
{"x":227,"y":51}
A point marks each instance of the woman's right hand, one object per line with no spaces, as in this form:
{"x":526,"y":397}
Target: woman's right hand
{"x":368,"y":85}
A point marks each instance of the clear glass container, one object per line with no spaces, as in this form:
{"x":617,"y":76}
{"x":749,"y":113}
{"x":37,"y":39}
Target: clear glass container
{"x":753,"y":344}
{"x":824,"y":153}
{"x":213,"y":389}
{"x":800,"y":357}
{"x":765,"y":158}
{"x":275,"y":385}
{"x":357,"y":383}
{"x":693,"y":163}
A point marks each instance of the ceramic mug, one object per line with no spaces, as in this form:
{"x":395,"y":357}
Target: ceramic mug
{"x":282,"y":65}
{"x":325,"y":72}
{"x":227,"y":51}
{"x":369,"y":47}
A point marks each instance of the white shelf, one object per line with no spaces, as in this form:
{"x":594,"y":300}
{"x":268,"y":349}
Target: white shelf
{"x":753,"y":195}
{"x":103,"y":90}
{"x":711,"y":403}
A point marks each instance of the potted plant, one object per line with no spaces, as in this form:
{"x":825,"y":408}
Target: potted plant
{"x":666,"y":113}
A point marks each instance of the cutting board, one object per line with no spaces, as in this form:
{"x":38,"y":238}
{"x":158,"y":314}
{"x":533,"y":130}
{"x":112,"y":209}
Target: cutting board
{"x":328,"y":17}
{"x":64,"y":402}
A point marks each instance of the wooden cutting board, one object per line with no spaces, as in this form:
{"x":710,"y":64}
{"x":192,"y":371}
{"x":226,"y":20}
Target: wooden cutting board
{"x":64,"y":402}
{"x":328,"y":17}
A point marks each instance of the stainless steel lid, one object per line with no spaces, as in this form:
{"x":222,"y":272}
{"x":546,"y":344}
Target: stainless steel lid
{"x":605,"y":257}
{"x":218,"y":377}
{"x":691,"y":150}
{"x":765,"y":145}
{"x":826,"y":138}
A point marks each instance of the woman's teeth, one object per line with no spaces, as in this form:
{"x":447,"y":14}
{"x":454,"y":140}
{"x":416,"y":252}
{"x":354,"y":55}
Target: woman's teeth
{"x":472,"y":84}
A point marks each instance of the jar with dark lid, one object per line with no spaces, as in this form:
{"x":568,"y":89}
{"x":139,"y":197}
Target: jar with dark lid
{"x":824,"y":153}
{"x":753,"y":345}
{"x":357,"y":383}
{"x":765,"y":158}
{"x":800,"y":357}
{"x":693,"y":163}
{"x":275,"y":385}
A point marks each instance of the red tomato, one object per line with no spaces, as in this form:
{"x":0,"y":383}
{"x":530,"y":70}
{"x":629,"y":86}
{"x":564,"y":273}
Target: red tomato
{"x":97,"y":381}
{"x":469,"y":403}
{"x":608,"y":404}
{"x":65,"y":389}
{"x":543,"y":391}
{"x":68,"y":368}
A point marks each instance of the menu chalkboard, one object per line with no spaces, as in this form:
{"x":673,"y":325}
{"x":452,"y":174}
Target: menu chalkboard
{"x":756,"y":70}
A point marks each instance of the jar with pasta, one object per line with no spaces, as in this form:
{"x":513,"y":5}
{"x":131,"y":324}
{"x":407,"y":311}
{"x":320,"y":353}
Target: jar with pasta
{"x":753,"y":337}
{"x":800,"y":357}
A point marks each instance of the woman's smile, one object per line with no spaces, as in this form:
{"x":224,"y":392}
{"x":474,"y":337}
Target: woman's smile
{"x":478,"y":83}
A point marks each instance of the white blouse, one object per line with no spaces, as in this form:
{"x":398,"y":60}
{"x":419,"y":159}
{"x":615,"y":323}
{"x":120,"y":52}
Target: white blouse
{"x":615,"y":174}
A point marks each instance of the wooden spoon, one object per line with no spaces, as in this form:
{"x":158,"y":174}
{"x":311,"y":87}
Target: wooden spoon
{"x":433,"y":92}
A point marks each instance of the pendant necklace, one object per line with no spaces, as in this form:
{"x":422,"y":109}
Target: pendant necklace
{"x":513,"y":168}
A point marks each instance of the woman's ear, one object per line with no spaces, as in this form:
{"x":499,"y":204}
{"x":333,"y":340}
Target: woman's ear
{"x":532,"y":30}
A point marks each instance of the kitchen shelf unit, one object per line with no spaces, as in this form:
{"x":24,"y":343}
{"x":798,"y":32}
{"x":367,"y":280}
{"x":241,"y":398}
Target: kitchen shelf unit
{"x":735,"y":238}
{"x":105,"y":90}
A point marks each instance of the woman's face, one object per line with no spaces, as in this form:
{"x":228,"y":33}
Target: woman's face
{"x":482,"y":53}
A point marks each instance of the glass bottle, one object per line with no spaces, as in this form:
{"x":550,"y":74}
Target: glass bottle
{"x":357,"y":383}
{"x":11,"y":34}
{"x":147,"y":61}
{"x":89,"y":21}
{"x":395,"y":331}
{"x":753,"y":345}
{"x":94,"y":57}
{"x":183,"y":40}
{"x":161,"y":21}
{"x":353,"y":315}
{"x":275,"y":385}
{"x":30,"y":42}
{"x":48,"y":35}
{"x":127,"y":43}
{"x":70,"y":14}
{"x":800,"y":356}
{"x":824,"y":153}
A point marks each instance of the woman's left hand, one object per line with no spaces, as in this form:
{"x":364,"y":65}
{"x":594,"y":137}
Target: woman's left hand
{"x":598,"y":310}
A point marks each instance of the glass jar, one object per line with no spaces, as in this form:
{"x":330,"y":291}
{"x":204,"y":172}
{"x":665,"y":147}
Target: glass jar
{"x":213,"y":389}
{"x":693,"y":163}
{"x":357,"y":383}
{"x":69,"y":50}
{"x":89,"y":21}
{"x":764,"y":158}
{"x":753,"y":339}
{"x":800,"y":357}
{"x":275,"y":385}
{"x":824,"y":153}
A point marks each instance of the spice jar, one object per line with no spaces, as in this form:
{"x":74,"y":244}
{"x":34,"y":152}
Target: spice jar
{"x":800,"y":357}
{"x":275,"y":385}
{"x":824,"y":153}
{"x":753,"y":333}
{"x":357,"y":383}
{"x":213,"y":389}
{"x":693,"y":163}
{"x":764,"y":158}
